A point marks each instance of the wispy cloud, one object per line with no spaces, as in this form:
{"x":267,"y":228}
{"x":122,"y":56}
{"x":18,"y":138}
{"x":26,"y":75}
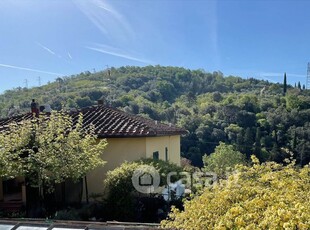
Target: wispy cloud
{"x":54,"y":53}
{"x":108,"y":20}
{"x":29,"y":69}
{"x":69,"y":55}
{"x":46,"y":48}
{"x":116,"y":52}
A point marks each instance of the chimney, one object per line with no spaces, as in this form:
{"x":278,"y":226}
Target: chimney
{"x":100,"y":102}
{"x":34,"y":108}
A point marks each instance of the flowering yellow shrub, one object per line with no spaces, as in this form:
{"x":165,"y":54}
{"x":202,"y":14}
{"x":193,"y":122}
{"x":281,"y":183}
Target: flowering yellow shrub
{"x":263,"y":196}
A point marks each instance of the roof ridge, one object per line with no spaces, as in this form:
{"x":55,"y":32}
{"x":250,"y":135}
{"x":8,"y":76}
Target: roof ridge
{"x":113,"y":122}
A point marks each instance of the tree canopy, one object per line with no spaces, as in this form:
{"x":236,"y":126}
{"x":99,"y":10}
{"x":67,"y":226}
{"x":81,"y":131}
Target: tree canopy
{"x":49,"y":149}
{"x":223,"y":160}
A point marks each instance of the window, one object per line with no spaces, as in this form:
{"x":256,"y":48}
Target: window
{"x":155,"y":155}
{"x":166,"y":154}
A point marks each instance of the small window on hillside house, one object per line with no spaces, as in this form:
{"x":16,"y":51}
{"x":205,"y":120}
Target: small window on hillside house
{"x":166,"y":154}
{"x":155,"y":155}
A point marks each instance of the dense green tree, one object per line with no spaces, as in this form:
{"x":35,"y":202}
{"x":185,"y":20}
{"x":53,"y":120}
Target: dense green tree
{"x":246,"y":119}
{"x":232,"y":132}
{"x":223,"y":160}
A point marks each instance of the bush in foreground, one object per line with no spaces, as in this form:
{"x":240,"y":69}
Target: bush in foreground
{"x":263,"y":196}
{"x":120,"y":193}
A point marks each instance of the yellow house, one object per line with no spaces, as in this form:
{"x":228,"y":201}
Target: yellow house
{"x":129,"y":138}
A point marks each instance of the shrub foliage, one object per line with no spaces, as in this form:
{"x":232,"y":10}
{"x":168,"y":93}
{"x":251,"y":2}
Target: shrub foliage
{"x":262,"y":196}
{"x":120,"y":197}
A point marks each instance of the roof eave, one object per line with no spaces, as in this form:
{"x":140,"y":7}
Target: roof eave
{"x":159,"y":134}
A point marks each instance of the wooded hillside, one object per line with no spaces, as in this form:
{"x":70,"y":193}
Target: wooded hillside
{"x":253,"y":115}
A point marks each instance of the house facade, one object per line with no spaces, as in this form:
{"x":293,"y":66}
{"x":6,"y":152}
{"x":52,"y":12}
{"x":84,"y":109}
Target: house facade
{"x":120,"y":150}
{"x":129,"y":138}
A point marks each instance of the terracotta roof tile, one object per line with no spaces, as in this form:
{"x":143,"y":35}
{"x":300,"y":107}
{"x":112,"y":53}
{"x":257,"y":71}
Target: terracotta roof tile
{"x":110,"y":122}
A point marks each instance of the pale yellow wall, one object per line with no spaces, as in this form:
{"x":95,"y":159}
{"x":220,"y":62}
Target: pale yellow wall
{"x":175,"y":149}
{"x":160,"y":143}
{"x":118,"y":151}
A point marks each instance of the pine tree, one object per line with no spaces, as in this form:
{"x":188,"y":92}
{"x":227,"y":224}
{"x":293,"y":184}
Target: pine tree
{"x":299,"y":85}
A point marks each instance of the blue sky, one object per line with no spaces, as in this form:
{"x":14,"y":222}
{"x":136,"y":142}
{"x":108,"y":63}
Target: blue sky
{"x":55,"y":38}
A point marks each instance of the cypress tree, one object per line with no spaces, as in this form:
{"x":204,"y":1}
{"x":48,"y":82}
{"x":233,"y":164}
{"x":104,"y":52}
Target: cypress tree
{"x":284,"y":85}
{"x":257,"y":145}
{"x":294,"y":141}
{"x":248,"y":142}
